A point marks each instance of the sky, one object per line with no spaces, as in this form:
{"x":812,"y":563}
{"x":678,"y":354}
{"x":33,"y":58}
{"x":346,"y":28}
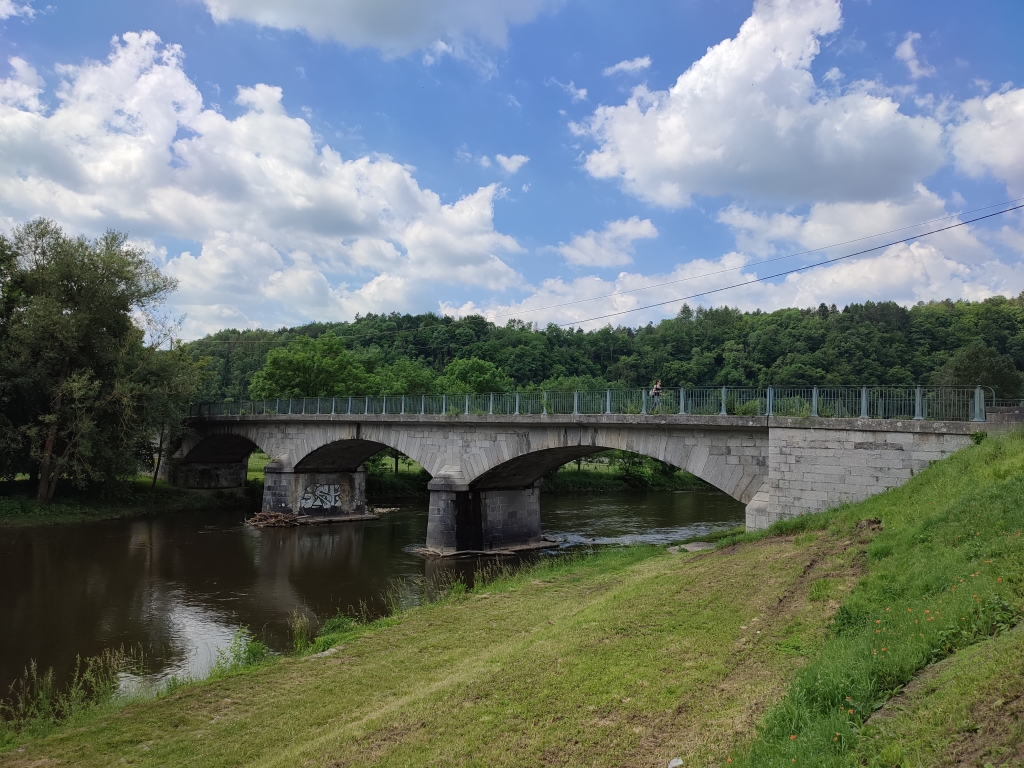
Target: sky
{"x":559,"y":161}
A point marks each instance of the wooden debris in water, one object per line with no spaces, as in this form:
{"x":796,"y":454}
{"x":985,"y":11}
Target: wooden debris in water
{"x":273,"y":520}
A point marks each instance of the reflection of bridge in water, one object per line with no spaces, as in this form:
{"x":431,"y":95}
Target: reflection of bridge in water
{"x":782,"y":451}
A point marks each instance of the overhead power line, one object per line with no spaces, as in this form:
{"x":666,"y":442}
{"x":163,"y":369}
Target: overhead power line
{"x":789,"y":271}
{"x":691,"y":278}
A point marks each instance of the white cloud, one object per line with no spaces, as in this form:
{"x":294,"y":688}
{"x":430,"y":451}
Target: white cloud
{"x":611,"y":247}
{"x":631,"y":67}
{"x":748,"y":120}
{"x":512,"y":164}
{"x":577,"y":94}
{"x":287,"y":228}
{"x":827,"y":224}
{"x":988,"y":138}
{"x":9,"y":8}
{"x":485,"y":161}
{"x":22,"y":88}
{"x":395,"y":27}
{"x":905,"y":52}
{"x":904,"y":273}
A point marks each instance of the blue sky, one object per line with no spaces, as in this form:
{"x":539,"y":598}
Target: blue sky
{"x":551,"y":160}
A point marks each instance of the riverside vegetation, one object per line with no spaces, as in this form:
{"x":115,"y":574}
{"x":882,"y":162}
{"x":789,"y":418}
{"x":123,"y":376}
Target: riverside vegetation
{"x":799,"y":645}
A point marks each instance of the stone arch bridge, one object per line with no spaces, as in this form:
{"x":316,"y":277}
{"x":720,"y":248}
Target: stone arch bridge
{"x":486,"y":469}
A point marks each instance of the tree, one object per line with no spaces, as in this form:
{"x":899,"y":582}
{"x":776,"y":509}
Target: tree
{"x":474,"y":376}
{"x":979,"y":364}
{"x":82,"y":384}
{"x":307,"y":367}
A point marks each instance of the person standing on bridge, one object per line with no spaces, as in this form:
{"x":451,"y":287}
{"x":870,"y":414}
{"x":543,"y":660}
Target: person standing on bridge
{"x":656,"y":395}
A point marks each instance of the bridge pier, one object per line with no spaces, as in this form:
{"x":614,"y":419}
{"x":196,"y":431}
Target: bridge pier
{"x":205,"y":475}
{"x":328,"y":494}
{"x":462,"y":519}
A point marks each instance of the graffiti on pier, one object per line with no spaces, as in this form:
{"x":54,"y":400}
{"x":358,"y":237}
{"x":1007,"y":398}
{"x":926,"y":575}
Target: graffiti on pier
{"x":319,"y":496}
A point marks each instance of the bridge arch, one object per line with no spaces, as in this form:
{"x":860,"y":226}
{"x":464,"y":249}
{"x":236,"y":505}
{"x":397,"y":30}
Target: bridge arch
{"x":733,"y":462}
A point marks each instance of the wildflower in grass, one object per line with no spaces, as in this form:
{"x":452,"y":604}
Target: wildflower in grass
{"x":792,"y":737}
{"x":851,"y":711}
{"x":1000,"y":579}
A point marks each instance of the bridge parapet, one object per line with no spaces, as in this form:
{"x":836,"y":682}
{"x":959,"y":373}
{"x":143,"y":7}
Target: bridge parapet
{"x":867,"y":402}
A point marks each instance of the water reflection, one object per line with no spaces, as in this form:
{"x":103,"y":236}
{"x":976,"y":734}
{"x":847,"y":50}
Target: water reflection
{"x":180,"y":585}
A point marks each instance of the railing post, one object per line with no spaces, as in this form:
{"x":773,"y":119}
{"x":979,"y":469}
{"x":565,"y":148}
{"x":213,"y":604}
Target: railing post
{"x":467,"y":405}
{"x":682,"y":400}
{"x":403,"y":405}
{"x":350,"y":405}
{"x":608,"y":401}
{"x":334,"y":405}
{"x":517,"y":404}
{"x":979,"y":405}
{"x":643,"y":400}
{"x":277,"y":407}
{"x":863,"y":402}
{"x":918,"y":405}
{"x":575,"y":402}
{"x":366,"y":406}
{"x":444,"y":404}
{"x":544,"y":402}
{"x":423,"y":405}
{"x":771,"y":401}
{"x":490,"y":405}
{"x":723,"y":412}
{"x":384,"y":408}
{"x":814,"y":402}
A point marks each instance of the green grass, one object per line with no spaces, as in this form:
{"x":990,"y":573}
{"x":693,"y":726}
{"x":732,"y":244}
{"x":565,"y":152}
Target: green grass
{"x":968,"y":710}
{"x":945,"y":571}
{"x":776,"y":649}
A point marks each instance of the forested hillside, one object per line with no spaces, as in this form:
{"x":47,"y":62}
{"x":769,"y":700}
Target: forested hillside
{"x":939,"y":342}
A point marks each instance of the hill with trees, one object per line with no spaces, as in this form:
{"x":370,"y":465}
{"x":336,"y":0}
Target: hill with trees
{"x":940,"y":342}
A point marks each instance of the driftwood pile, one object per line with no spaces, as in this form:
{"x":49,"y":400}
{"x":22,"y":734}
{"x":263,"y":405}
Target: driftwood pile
{"x":273,"y":520}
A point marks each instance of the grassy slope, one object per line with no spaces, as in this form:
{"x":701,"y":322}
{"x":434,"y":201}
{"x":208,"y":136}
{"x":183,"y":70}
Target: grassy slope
{"x":967,"y":710}
{"x":633,"y":657}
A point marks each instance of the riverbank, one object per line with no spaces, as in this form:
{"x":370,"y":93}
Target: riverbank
{"x":18,"y":506}
{"x":776,"y":649}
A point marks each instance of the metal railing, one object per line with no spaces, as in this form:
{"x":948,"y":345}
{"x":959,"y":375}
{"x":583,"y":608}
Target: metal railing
{"x":932,"y":403}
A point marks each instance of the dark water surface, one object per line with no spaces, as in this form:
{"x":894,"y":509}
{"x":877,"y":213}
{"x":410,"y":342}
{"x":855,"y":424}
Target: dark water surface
{"x":180,"y":585}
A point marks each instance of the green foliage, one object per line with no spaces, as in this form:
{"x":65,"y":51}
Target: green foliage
{"x":474,"y":376}
{"x":861,"y":344}
{"x":309,"y":367}
{"x":980,"y":364}
{"x":36,"y":704}
{"x":244,"y":651}
{"x":84,"y":383}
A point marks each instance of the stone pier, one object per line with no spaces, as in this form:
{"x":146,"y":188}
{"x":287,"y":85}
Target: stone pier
{"x":328,"y":494}
{"x":462,"y":519}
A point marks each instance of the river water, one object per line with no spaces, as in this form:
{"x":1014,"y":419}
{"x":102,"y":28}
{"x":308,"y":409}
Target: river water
{"x":179,"y":586}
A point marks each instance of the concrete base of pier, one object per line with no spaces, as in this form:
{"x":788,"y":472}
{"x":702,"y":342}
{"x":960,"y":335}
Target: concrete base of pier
{"x":461,"y":519}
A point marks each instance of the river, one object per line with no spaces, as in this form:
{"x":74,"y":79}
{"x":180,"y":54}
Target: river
{"x":178,"y":586}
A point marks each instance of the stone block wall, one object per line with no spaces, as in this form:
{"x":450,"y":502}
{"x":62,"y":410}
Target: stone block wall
{"x":511,"y":518}
{"x":816,"y":464}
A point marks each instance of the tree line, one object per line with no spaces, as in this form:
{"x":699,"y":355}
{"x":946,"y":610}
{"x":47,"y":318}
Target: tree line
{"x":940,"y":342}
